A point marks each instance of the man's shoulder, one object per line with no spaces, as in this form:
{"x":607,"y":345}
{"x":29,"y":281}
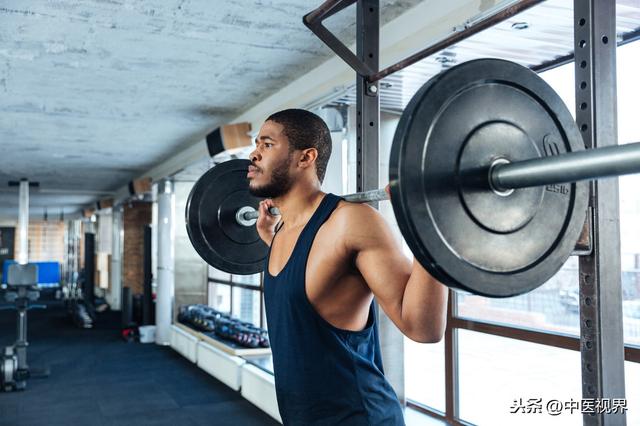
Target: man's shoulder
{"x":355,"y":216}
{"x":354,"y":211}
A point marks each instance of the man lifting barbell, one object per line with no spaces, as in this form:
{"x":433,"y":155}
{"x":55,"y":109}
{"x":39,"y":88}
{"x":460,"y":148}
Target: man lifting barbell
{"x":491,"y":204}
{"x":328,"y":258}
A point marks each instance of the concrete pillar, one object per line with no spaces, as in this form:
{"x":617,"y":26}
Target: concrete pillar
{"x":166,"y":262}
{"x":23,"y":222}
{"x":117,"y":233}
{"x":190,"y":270}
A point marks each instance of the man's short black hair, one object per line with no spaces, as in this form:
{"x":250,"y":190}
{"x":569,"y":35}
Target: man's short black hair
{"x":304,"y":130}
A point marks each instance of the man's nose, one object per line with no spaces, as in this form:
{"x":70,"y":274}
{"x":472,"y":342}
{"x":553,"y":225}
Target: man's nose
{"x":254,"y":156}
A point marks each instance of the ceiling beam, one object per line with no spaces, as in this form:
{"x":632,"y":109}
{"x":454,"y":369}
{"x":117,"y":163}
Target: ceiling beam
{"x":57,"y":191}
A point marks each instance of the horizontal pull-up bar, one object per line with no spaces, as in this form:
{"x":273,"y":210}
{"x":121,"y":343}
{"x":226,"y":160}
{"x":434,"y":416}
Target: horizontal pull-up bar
{"x":313,"y":20}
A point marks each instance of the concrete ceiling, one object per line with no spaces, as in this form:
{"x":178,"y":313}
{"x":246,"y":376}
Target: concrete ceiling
{"x":96,"y":92}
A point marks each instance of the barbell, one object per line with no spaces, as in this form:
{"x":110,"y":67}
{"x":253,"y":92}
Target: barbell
{"x":487,"y":178}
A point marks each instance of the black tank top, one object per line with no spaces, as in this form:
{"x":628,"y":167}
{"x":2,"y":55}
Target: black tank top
{"x":324,"y":375}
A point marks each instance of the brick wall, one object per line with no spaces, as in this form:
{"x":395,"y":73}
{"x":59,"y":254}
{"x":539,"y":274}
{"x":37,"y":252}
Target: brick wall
{"x":135,"y":217}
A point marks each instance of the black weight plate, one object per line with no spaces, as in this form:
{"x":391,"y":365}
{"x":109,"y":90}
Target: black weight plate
{"x":211,"y":220}
{"x":466,"y":235}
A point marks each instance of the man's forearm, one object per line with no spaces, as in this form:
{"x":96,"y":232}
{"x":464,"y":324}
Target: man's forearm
{"x":424,"y":306}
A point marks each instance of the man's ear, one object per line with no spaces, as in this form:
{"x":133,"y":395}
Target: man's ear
{"x":307,"y":157}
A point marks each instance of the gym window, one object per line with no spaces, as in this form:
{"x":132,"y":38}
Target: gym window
{"x":241,"y":296}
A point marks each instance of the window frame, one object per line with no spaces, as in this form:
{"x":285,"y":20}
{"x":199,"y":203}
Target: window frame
{"x":234,"y":284}
{"x":451,"y":354}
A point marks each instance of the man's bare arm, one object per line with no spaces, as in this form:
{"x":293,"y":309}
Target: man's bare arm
{"x":414,"y":300}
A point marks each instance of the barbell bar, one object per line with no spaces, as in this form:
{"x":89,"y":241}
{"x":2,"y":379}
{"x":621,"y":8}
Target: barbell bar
{"x":487,"y":178}
{"x":503,"y":176}
{"x":247,"y":216}
{"x":590,"y":164}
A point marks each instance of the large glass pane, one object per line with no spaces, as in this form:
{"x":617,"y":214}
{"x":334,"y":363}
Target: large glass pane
{"x":246,"y":305}
{"x":499,"y":375}
{"x":562,"y":81}
{"x":220,"y":297}
{"x":553,"y":306}
{"x":630,"y":230}
{"x":424,"y":373}
{"x":219,"y":275}
{"x":253,"y":280}
{"x":629,"y":131}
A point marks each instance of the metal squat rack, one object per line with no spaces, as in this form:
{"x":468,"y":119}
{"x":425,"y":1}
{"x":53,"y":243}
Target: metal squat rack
{"x":601,"y":332}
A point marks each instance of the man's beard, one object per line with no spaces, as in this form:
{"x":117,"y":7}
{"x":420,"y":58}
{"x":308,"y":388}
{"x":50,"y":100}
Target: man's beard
{"x":280,"y":182}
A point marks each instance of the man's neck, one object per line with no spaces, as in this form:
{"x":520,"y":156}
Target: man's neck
{"x":297,"y":205}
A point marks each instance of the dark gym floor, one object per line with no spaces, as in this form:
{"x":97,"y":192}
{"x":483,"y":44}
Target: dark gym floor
{"x":98,"y":379}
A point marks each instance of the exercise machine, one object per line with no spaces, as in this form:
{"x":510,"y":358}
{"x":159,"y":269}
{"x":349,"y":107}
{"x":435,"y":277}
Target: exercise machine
{"x":22,"y":290}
